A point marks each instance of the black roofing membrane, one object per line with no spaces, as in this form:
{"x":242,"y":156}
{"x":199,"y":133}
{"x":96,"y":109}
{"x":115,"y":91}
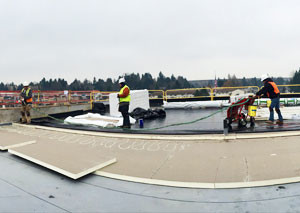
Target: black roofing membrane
{"x":211,"y":125}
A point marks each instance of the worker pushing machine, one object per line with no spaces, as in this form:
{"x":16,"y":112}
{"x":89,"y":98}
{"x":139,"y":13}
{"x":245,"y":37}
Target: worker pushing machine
{"x":26,"y":100}
{"x":271,"y":90}
{"x":124,"y":101}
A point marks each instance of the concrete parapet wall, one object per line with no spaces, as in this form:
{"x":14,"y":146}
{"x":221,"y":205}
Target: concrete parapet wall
{"x":14,"y":114}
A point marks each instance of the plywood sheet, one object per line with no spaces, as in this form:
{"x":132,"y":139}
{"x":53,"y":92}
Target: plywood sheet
{"x":12,"y":139}
{"x":72,"y":160}
{"x":190,"y":166}
{"x":185,"y":163}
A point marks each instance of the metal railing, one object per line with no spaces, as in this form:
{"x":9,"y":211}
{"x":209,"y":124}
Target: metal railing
{"x":156,"y":94}
{"x":103,"y":96}
{"x":206,"y":92}
{"x":100,"y":96}
{"x":228,"y":91}
{"x":44,"y":98}
{"x":188,"y":93}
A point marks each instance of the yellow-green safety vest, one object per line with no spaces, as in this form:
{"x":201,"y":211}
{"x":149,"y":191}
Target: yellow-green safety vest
{"x":126,"y":99}
{"x":27,"y":93}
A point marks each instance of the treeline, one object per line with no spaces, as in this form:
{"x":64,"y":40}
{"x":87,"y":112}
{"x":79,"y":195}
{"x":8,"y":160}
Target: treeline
{"x":296,"y":80}
{"x":146,"y":81}
{"x":233,"y":81}
{"x":135,"y":81}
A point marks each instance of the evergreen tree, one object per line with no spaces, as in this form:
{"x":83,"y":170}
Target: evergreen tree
{"x":296,"y":80}
{"x":134,"y":80}
{"x":232,"y":81}
{"x":201,"y":92}
{"x":100,"y":85}
{"x":75,"y":85}
{"x":147,"y":81}
{"x":161,"y":80}
{"x":220,"y":82}
{"x":109,"y":85}
{"x":244,"y":82}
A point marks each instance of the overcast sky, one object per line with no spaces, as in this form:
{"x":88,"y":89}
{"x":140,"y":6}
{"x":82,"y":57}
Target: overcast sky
{"x":107,"y":38}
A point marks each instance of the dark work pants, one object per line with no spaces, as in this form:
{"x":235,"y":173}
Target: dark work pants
{"x":275,"y":104}
{"x":124,"y":108}
{"x":25,"y":112}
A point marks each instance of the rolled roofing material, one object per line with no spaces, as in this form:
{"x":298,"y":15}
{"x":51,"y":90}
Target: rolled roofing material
{"x":94,"y":119}
{"x":195,"y":104}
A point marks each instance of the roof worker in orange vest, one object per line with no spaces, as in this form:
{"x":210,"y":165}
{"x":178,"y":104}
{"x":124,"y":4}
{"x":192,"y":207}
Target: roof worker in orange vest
{"x":26,"y":99}
{"x":271,"y":90}
{"x":124,"y":101}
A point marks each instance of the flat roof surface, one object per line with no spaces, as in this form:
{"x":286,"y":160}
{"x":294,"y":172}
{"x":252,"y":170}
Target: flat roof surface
{"x":26,"y":187}
{"x":184,"y":123}
{"x":239,"y":160}
{"x":187,"y":161}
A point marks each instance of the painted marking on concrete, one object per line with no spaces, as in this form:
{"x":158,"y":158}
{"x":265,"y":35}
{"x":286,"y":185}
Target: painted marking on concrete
{"x":99,"y":141}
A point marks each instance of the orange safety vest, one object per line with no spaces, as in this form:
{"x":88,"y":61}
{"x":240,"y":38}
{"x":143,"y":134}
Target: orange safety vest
{"x":276,"y":90}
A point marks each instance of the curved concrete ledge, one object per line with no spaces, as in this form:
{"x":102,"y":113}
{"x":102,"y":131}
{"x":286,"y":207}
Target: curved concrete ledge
{"x":235,"y":161}
{"x":199,"y":185}
{"x":222,"y":137}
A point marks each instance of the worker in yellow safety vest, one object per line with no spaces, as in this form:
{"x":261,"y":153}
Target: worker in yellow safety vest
{"x":124,"y":101}
{"x":271,"y":91}
{"x":26,"y":100}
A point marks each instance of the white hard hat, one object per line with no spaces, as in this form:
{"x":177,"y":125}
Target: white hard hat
{"x":121,"y":80}
{"x":25,"y":84}
{"x":264,"y":77}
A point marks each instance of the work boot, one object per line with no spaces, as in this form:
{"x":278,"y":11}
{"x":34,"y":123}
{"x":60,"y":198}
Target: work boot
{"x":28,"y":120}
{"x":279,"y":122}
{"x":269,"y":122}
{"x":23,"y":120}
